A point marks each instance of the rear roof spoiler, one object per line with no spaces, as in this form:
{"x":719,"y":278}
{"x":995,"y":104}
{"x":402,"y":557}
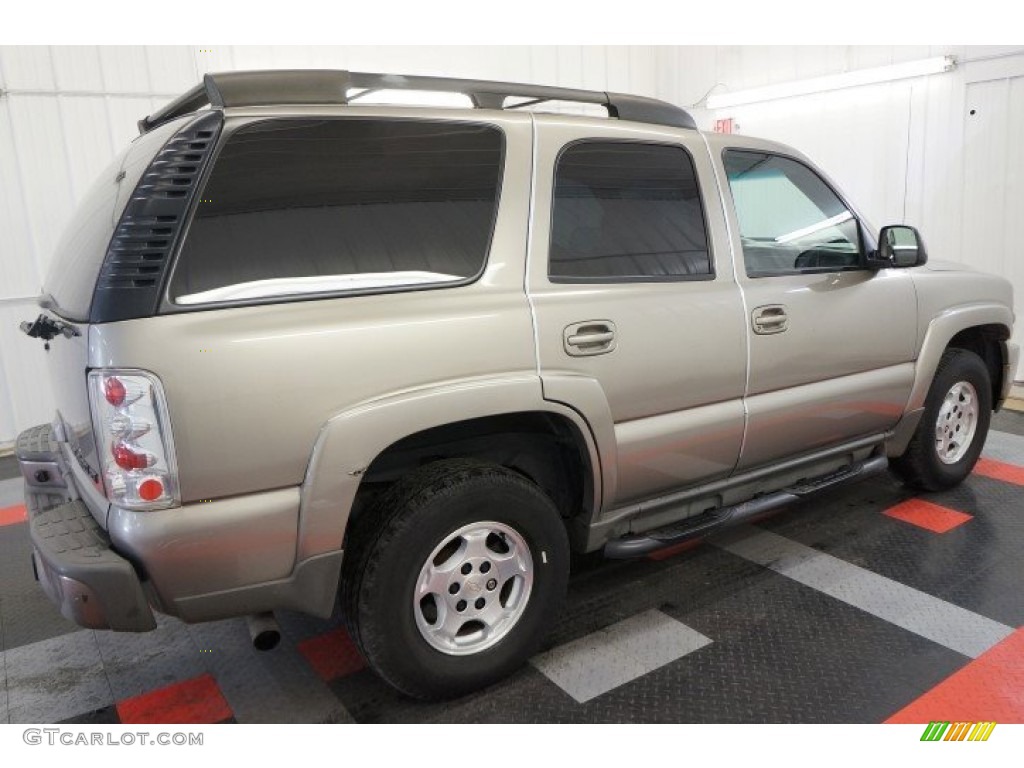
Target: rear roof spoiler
{"x":331,"y":86}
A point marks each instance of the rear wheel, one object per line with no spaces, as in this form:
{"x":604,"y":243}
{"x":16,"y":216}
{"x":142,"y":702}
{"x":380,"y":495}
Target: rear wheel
{"x":455,"y":577}
{"x":952,"y":432}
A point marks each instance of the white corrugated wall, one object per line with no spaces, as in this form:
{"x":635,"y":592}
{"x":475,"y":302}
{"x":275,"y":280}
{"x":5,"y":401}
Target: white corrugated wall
{"x":904,"y":150}
{"x":63,"y":112}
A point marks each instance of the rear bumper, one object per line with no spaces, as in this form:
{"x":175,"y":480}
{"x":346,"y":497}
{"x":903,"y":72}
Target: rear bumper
{"x":37,"y":455}
{"x":90,"y":583}
{"x":199,"y":562}
{"x":78,"y":570}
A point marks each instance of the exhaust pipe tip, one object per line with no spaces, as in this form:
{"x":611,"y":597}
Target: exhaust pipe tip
{"x":267,"y":640}
{"x":264,"y":631}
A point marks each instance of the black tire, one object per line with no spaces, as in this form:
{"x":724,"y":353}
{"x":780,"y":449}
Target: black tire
{"x":393,"y":540}
{"x":920,"y":465}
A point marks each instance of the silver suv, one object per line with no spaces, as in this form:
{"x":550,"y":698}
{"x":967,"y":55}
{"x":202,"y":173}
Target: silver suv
{"x":308,"y":348}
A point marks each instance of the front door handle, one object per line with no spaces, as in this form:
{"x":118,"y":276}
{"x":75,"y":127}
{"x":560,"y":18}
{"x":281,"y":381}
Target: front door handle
{"x":593,"y":337}
{"x":771,"y":318}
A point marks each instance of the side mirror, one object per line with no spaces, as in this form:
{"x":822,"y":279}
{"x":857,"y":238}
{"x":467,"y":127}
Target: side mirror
{"x":898,"y":247}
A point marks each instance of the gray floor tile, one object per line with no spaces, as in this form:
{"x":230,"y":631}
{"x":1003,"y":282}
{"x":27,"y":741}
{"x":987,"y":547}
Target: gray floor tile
{"x":300,"y":626}
{"x":56,"y":679}
{"x":597,"y":663}
{"x":9,"y":467}
{"x":1008,"y":421}
{"x":12,"y":492}
{"x":941,"y":622}
{"x":3,"y":690}
{"x":15,"y":558}
{"x":26,"y":614}
{"x":1002,"y":446}
{"x":137,"y":663}
{"x":264,"y":687}
{"x":30,"y":617}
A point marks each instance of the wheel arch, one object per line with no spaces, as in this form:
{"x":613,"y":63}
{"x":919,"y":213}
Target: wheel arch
{"x":373,"y":443}
{"x":982,"y":327}
{"x":987,"y":342}
{"x":544,"y":446}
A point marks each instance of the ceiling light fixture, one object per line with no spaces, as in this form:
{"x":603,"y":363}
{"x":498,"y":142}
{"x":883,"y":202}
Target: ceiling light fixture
{"x":857,"y":77}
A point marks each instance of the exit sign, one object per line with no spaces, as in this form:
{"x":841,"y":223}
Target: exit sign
{"x":725,"y":125}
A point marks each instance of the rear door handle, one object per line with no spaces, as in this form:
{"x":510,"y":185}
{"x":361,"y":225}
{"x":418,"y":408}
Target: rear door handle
{"x":592,"y":337}
{"x":771,"y":318}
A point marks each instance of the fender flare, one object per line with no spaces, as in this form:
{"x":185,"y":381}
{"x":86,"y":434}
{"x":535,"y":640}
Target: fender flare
{"x":351,"y":439}
{"x":941,"y":330}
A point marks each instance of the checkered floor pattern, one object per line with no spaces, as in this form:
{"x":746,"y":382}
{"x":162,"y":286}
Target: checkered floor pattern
{"x":865,"y":604}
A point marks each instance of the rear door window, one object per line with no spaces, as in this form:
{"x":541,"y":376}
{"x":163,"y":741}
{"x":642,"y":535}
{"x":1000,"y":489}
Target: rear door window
{"x":296,"y":207}
{"x":627,"y":212}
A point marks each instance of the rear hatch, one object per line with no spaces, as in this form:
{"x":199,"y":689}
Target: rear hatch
{"x":68,"y":294}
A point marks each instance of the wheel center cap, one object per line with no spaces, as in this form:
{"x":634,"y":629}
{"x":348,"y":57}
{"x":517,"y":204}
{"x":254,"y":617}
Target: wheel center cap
{"x":474,"y":587}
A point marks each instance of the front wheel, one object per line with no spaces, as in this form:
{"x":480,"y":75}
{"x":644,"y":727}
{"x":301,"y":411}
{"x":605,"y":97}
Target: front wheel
{"x":455,"y":577}
{"x":952,"y":432}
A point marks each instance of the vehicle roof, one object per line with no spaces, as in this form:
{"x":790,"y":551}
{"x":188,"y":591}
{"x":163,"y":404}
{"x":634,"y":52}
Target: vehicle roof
{"x":342,"y":87}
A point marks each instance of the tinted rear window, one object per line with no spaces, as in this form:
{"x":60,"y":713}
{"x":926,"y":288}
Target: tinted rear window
{"x":309,"y":206}
{"x":627,"y":211}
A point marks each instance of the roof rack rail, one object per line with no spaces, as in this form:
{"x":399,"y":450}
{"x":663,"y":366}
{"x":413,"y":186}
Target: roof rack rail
{"x":331,"y":86}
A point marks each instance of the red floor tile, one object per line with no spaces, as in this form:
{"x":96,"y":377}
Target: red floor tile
{"x":997,"y":470}
{"x":674,"y":549}
{"x":332,"y":655}
{"x":926,"y":515}
{"x":193,"y":701}
{"x":990,"y":688}
{"x":12,"y":515}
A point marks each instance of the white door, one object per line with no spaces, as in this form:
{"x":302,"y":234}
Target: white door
{"x":994,"y":183}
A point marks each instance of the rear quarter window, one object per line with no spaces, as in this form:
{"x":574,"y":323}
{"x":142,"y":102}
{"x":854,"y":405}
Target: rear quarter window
{"x":296,"y":207}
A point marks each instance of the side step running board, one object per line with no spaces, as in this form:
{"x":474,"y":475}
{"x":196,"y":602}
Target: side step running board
{"x":705,"y":524}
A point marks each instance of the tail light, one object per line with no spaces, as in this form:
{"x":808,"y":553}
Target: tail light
{"x":133,"y":435}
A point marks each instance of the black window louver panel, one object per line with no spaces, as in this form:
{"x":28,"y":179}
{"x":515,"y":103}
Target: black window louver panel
{"x":140,"y":250}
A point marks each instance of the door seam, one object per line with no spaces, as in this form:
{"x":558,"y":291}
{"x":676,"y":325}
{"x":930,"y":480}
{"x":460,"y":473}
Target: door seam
{"x":531,"y":211}
{"x":743,"y":300}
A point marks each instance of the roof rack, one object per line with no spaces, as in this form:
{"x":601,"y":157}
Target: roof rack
{"x":331,"y":86}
